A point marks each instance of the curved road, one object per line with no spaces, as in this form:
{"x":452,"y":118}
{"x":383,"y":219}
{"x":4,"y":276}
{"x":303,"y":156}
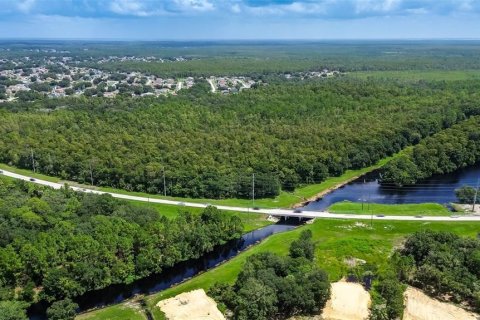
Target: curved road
{"x":214,"y":89}
{"x":273,"y":212}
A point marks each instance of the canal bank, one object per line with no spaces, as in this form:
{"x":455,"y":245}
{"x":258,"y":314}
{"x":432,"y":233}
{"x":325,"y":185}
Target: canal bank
{"x":436,"y":189}
{"x":175,"y":275}
{"x":336,"y":241}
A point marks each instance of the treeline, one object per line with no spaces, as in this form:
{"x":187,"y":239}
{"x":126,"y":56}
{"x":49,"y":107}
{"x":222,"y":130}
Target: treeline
{"x":443,"y":265}
{"x":254,"y":58}
{"x":210,"y":145}
{"x":260,"y":60}
{"x":64,"y":243}
{"x":276,"y":287}
{"x":384,"y":286}
{"x":451,"y":149}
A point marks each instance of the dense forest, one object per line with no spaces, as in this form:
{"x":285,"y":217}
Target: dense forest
{"x":276,"y":287}
{"x":265,"y":57}
{"x":448,"y":150}
{"x":444,"y":265}
{"x":209,"y":145}
{"x":56,"y":245}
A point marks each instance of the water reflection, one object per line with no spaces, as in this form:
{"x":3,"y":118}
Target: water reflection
{"x":439,"y":189}
{"x":169,"y":277}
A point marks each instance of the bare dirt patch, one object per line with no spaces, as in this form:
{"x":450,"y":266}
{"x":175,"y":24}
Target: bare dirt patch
{"x":193,"y":305}
{"x":349,"y":301}
{"x":352,"y":262}
{"x":419,"y":306}
{"x":467,"y":208}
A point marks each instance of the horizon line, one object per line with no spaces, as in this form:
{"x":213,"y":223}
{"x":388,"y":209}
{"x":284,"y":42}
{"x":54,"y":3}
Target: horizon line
{"x":239,"y":39}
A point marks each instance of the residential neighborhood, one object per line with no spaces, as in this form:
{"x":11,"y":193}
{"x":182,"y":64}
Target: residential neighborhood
{"x":325,"y":73}
{"x":227,"y":85}
{"x":60,"y":76}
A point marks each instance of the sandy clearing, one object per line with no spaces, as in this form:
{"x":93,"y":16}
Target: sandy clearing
{"x":349,"y":301}
{"x":193,"y":305}
{"x":419,"y":306}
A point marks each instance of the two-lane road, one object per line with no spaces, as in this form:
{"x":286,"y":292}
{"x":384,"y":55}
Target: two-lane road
{"x":273,"y":212}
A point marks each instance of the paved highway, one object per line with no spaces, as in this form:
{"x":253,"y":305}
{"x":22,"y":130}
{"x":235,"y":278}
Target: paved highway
{"x":273,"y":212}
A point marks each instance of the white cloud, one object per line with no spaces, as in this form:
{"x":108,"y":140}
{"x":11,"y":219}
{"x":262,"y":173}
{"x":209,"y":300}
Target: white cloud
{"x":375,"y":5}
{"x":25,"y":5}
{"x":129,"y":7}
{"x":195,"y":5}
{"x":297,"y":7}
{"x":236,"y":8}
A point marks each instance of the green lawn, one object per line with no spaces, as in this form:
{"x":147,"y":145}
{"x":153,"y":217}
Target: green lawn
{"x":416,"y":75}
{"x":284,"y":200}
{"x":424,"y":209}
{"x":336,"y":241}
{"x":251,"y":221}
{"x":117,"y":312}
{"x":29,"y":173}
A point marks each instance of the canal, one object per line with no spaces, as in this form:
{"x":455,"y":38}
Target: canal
{"x":169,"y":277}
{"x":438,"y":189}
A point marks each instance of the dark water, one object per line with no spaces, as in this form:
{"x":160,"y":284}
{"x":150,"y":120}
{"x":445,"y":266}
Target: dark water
{"x":180,"y":272}
{"x":439,"y":189}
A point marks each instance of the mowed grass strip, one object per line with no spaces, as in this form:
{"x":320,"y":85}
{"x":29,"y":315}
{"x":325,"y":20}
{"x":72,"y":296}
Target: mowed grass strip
{"x":29,"y":173}
{"x":417,"y":75}
{"x":283,"y":200}
{"x":336,"y":241}
{"x":116,"y":312}
{"x":251,"y":220}
{"x":423,"y":209}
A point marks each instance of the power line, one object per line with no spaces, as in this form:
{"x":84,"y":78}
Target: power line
{"x":164,"y":184}
{"x":475,"y":197}
{"x":253,"y":190}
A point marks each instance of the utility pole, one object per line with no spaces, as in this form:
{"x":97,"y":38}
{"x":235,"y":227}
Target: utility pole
{"x":475,"y":197}
{"x":371,"y":211}
{"x":164,"y":184}
{"x":363,"y":194}
{"x":253,"y":190}
{"x":91,"y":171}
{"x":33,"y":160}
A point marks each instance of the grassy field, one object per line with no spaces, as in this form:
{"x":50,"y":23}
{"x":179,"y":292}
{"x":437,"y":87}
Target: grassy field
{"x":336,"y":241}
{"x":251,"y":221}
{"x":416,"y":75}
{"x":284,"y":200}
{"x":120,"y":312}
{"x":29,"y":173}
{"x":423,"y":209}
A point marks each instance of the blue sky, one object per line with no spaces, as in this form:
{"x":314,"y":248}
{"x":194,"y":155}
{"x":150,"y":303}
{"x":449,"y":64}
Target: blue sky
{"x":239,"y":19}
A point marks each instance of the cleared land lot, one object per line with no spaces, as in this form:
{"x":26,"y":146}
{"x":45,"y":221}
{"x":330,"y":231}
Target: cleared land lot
{"x":419,"y":306}
{"x":349,"y":301}
{"x":337,"y":240}
{"x":193,"y":305}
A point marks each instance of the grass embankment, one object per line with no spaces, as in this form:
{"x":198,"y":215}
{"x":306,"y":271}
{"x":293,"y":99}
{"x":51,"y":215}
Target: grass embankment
{"x":251,"y":221}
{"x":416,"y":75}
{"x":336,"y":241}
{"x":29,"y":173}
{"x":423,"y":209}
{"x":118,"y":312}
{"x":284,"y":200}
